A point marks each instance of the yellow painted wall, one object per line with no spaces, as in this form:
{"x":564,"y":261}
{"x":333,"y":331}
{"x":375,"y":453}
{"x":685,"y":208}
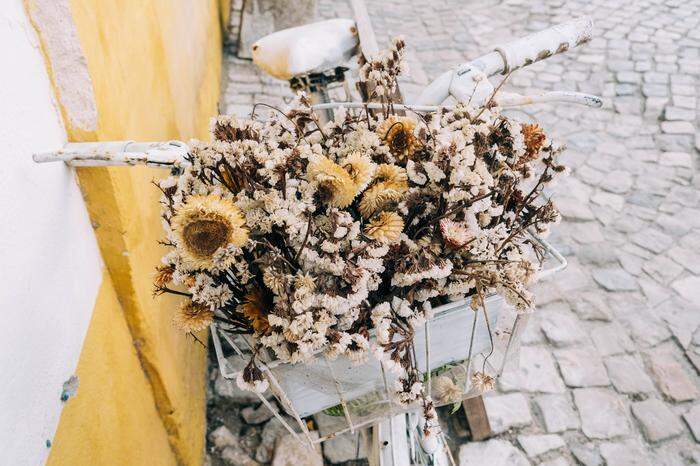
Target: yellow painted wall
{"x":155,"y":67}
{"x":96,"y":426}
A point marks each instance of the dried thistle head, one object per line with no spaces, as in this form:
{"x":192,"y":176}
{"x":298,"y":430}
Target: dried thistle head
{"x":164,"y":275}
{"x":192,"y":317}
{"x":534,"y":140}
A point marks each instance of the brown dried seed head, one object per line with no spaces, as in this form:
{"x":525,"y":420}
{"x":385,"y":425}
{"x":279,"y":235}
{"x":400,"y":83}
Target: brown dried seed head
{"x":534,"y":140}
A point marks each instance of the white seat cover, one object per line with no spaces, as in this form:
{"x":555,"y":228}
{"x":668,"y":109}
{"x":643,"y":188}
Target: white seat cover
{"x":304,"y":49}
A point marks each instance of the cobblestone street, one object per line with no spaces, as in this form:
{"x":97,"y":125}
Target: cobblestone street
{"x":610,"y":360}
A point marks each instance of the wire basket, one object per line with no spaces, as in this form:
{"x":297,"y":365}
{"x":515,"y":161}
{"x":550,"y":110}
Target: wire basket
{"x":455,"y":343}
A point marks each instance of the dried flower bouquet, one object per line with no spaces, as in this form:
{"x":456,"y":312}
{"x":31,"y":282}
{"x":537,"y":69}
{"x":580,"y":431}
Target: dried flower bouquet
{"x":309,"y":236}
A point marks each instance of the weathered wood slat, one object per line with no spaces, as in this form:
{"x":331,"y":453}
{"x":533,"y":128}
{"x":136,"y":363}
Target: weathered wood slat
{"x":477,"y":419}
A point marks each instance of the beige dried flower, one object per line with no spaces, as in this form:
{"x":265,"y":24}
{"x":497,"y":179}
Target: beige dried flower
{"x":445,"y":390}
{"x":361,"y":169}
{"x":203,"y":225}
{"x":483,"y":382}
{"x":397,"y":133}
{"x":334,"y":181}
{"x":455,"y":234}
{"x":305,"y":281}
{"x":385,"y":227}
{"x":389,"y":184}
{"x":192,"y":317}
{"x":275,"y":281}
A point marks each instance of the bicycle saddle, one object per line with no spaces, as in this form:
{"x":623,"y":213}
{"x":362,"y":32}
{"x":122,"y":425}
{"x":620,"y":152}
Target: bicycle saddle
{"x":306,"y":49}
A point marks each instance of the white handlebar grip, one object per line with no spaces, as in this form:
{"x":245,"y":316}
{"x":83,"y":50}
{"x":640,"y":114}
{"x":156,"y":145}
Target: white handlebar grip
{"x":544,"y":44}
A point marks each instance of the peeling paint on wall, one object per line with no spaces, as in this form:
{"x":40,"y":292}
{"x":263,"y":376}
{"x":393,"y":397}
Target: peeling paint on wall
{"x":69,"y":71}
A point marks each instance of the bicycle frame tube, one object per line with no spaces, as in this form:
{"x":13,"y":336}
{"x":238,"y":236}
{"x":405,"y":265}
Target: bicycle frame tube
{"x":470,"y":80}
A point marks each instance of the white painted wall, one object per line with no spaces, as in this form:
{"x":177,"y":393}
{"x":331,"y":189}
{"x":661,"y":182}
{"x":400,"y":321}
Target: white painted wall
{"x":50,"y":268}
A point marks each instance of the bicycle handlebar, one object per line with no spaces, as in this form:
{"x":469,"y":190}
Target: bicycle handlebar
{"x":463,"y":80}
{"x":544,"y":44}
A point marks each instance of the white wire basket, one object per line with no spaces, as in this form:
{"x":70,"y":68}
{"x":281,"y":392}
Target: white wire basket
{"x":456,"y":342}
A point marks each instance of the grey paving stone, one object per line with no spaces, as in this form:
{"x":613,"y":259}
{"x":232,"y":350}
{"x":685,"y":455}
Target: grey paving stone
{"x":507,"y":411}
{"x":537,"y":373}
{"x":257,"y":415}
{"x":606,"y":199}
{"x":491,"y":452}
{"x":687,"y":258}
{"x":600,"y":254}
{"x":610,"y":339}
{"x":558,"y":461}
{"x":692,"y":418}
{"x":557,"y":413}
{"x":562,"y":328}
{"x":677,"y":127}
{"x":591,"y":306}
{"x":670,"y":376}
{"x":629,"y":453}
{"x":581,"y":367}
{"x":615,"y":279}
{"x":688,"y":288}
{"x":676,"y":113}
{"x":221,"y":437}
{"x":236,"y":456}
{"x":535,"y":445}
{"x":342,"y":447}
{"x":652,"y":240}
{"x":603,"y":414}
{"x":587,"y":454}
{"x":574,"y":209}
{"x":683,"y":319}
{"x":627,"y":374}
{"x":662,"y":269}
{"x":617,"y":181}
{"x":657,"y":420}
{"x":676,"y":159}
{"x":291,"y":452}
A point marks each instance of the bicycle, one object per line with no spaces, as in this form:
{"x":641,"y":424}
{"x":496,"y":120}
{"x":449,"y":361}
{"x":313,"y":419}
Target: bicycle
{"x":399,"y":439}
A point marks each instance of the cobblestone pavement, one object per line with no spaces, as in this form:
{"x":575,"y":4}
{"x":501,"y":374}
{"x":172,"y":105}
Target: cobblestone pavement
{"x":609,"y":366}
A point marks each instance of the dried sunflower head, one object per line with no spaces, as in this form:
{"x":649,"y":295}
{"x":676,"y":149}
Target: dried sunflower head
{"x":534,"y":140}
{"x":192,"y":317}
{"x":333,"y":181}
{"x":256,"y":305}
{"x":397,"y":133}
{"x":203,"y":225}
{"x":389,"y":184}
{"x":386,"y":227}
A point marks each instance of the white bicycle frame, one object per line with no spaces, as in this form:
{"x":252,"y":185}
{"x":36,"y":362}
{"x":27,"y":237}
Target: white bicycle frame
{"x":466,"y":83}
